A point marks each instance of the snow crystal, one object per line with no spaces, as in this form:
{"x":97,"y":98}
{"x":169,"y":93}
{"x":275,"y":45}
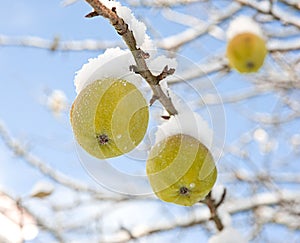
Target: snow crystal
{"x":243,"y":24}
{"x":228,"y":235}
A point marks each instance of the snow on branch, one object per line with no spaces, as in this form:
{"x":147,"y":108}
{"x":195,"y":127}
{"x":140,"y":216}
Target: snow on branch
{"x":213,"y":65}
{"x":168,"y":43}
{"x":267,"y":8}
{"x":284,"y":45}
{"x":201,"y":215}
{"x":293,"y":3}
{"x":190,"y":34}
{"x":56,"y":44}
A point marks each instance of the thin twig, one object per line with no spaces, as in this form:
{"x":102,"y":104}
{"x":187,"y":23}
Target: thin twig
{"x":213,"y":206}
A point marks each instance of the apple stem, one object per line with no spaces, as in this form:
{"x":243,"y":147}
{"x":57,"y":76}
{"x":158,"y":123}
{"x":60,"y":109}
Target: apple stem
{"x":213,"y":206}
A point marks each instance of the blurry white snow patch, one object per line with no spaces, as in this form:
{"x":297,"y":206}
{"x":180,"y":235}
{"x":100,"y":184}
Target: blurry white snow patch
{"x":265,"y":213}
{"x":57,"y":102}
{"x":295,"y":140}
{"x":266,"y":144}
{"x":243,"y":24}
{"x":29,"y":232}
{"x":68,"y":2}
{"x":260,"y":135}
{"x":264,"y":5}
{"x":228,"y":235}
{"x":217,"y":32}
{"x":42,"y":189}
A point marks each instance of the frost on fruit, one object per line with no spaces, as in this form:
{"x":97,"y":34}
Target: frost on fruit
{"x":181,"y":170}
{"x":246,"y":48}
{"x":109,"y":117}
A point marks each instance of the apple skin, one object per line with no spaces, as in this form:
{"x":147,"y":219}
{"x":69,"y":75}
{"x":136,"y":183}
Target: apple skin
{"x":246,"y":52}
{"x":109,"y":118}
{"x":181,"y":170}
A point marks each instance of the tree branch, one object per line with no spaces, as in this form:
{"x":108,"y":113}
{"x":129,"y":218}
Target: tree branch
{"x":56,"y":44}
{"x":173,"y":42}
{"x":202,"y":215}
{"x":139,"y":56}
{"x":276,"y":12}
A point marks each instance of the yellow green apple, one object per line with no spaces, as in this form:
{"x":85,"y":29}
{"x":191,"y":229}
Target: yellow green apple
{"x":246,"y":52}
{"x":181,"y":170}
{"x":109,"y":117}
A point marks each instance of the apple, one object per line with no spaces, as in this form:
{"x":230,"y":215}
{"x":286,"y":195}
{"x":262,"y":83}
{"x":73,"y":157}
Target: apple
{"x":109,"y":117}
{"x":181,"y":170}
{"x":246,"y":52}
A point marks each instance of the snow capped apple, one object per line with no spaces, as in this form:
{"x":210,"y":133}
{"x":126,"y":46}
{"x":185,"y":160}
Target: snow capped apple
{"x":246,"y":47}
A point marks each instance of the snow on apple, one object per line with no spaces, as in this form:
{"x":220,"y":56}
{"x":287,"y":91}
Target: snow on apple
{"x":243,"y":24}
